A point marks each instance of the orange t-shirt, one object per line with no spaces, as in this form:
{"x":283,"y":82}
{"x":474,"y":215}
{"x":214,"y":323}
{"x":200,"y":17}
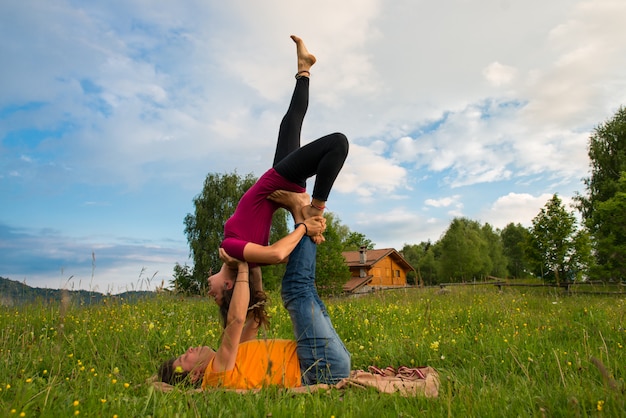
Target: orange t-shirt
{"x":259,"y":363}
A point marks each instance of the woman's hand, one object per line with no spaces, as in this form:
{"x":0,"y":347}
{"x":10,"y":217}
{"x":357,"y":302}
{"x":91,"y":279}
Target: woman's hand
{"x":228,"y":260}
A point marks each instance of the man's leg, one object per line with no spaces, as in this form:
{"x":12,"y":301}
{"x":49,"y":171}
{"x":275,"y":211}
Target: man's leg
{"x":323,"y":356}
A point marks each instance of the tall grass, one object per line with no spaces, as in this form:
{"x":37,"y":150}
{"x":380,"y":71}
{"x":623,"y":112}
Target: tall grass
{"x":529,"y":352}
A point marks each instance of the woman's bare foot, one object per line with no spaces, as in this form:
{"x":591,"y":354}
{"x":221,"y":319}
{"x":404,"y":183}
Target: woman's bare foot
{"x":300,"y":208}
{"x":316,"y":208}
{"x":292,"y":201}
{"x":305,"y":58}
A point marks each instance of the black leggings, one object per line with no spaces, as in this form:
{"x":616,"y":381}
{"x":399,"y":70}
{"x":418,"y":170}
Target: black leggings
{"x":323,"y":157}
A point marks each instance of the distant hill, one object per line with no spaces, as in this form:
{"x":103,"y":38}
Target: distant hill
{"x":16,"y":293}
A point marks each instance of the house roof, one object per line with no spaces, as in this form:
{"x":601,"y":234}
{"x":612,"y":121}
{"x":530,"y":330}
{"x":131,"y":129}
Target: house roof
{"x":353,"y":258}
{"x":356,"y":283}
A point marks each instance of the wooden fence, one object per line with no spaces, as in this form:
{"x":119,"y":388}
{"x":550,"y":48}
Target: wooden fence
{"x":568,"y":287}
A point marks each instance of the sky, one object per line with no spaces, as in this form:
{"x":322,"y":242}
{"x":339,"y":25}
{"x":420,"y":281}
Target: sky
{"x":112,"y":113}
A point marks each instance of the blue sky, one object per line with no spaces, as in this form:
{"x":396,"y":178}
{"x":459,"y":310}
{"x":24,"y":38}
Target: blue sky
{"x":112,"y":113}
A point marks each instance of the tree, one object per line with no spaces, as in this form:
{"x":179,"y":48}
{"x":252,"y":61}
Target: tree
{"x":355,"y":240}
{"x":428,"y":266}
{"x":412,"y":255}
{"x":611,"y":234}
{"x":464,"y":252}
{"x":205,"y":228}
{"x":421,"y":257}
{"x":556,"y":247}
{"x":607,"y":154}
{"x":183,"y":281}
{"x":331,"y":269}
{"x":581,"y":261}
{"x":514,"y":238}
{"x":497,"y":265}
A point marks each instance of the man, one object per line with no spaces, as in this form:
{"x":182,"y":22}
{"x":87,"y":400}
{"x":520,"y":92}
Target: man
{"x":317,"y":355}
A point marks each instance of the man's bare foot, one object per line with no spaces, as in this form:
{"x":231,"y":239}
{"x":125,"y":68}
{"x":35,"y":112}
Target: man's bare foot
{"x":305,"y":58}
{"x":292,"y":201}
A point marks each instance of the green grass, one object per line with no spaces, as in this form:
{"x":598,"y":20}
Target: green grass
{"x":519,"y":352}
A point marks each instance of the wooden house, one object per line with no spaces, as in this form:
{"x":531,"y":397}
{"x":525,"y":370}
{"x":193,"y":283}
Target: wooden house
{"x":375,"y":269}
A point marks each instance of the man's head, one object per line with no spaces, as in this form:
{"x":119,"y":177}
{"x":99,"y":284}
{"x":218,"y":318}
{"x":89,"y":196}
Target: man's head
{"x":188,"y":367}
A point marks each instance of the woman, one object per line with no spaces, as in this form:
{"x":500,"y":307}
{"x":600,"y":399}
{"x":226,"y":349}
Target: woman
{"x":246,"y":233}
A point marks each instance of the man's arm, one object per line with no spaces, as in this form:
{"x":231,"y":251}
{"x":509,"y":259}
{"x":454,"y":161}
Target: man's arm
{"x":251,"y":328}
{"x":235,"y":319}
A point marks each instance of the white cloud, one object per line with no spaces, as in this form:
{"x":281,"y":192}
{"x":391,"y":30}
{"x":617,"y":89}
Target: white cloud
{"x":498,"y":74}
{"x":470,"y":142}
{"x":590,"y":45}
{"x":444,"y":202}
{"x":396,"y":227}
{"x":367,"y":173}
{"x":518,"y":208}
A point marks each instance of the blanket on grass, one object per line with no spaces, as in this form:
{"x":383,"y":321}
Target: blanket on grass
{"x":407,"y":381}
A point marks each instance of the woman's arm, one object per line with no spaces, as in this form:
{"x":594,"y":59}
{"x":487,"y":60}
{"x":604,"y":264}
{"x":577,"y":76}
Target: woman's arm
{"x":227,"y":352}
{"x":279,"y":251}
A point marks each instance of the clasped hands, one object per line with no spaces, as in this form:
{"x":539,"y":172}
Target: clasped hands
{"x":315,"y":227}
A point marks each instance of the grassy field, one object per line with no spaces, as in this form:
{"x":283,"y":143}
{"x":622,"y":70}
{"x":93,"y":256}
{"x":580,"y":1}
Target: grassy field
{"x":509,"y":353}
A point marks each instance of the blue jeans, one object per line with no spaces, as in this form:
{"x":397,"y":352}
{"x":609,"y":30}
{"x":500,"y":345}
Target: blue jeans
{"x":323,"y":356}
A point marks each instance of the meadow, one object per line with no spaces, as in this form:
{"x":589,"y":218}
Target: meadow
{"x":509,"y":353}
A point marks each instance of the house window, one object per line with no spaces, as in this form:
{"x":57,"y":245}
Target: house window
{"x":397,"y":273}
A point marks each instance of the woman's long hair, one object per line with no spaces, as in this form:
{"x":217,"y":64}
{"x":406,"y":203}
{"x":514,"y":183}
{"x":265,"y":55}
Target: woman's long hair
{"x":256,"y":306}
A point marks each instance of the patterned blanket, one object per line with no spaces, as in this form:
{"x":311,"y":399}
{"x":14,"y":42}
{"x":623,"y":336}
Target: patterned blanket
{"x":407,"y":381}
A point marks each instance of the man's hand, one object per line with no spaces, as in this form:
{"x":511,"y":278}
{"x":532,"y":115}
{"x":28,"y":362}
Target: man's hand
{"x":318,"y":239}
{"x":315,"y":225}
